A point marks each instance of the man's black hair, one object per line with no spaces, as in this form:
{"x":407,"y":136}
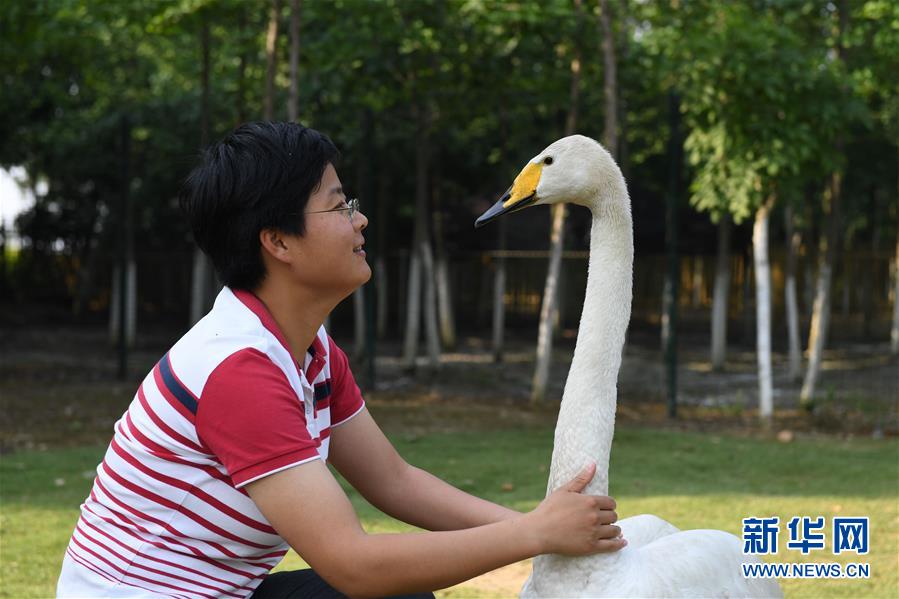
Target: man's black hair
{"x":259,"y":177}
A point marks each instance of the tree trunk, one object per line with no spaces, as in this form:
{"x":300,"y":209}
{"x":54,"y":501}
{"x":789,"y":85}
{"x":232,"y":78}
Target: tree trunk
{"x":204,"y":81}
{"x":130,"y":301}
{"x":359,"y":323}
{"x":574,"y":89}
{"x":544,"y":335}
{"x":271,"y":59}
{"x":622,"y":153}
{"x":827,"y":252}
{"x":867,"y":301}
{"x":293,"y":99}
{"x":445,"y":303}
{"x":808,"y":292}
{"x":670,"y":292}
{"x":610,"y":80}
{"x":127,"y":270}
{"x":432,"y":335}
{"x":793,"y":240}
{"x":381,"y":303}
{"x":413,"y":309}
{"x":403,"y":264}
{"x":548,"y":310}
{"x":422,"y":265}
{"x":115,"y":304}
{"x":198,"y":276}
{"x":381,"y":278}
{"x":763,"y":309}
{"x":499,"y":295}
{"x":820,"y":324}
{"x":721,"y":295}
{"x":241,"y":102}
{"x":442,"y":278}
{"x":894,"y":330}
{"x":202,"y":278}
{"x":749,"y":323}
{"x":366,"y":330}
{"x":89,"y":259}
{"x":484,"y":303}
{"x":203,"y":286}
{"x":845,"y":276}
{"x":696,"y":282}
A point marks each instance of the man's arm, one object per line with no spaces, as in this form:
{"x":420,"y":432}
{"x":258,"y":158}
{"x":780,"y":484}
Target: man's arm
{"x":366,"y":458}
{"x":307,"y":507}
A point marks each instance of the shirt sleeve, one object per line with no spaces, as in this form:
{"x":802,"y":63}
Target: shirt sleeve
{"x":251,"y":418}
{"x":346,"y":399}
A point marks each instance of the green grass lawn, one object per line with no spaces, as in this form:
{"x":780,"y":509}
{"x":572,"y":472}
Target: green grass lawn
{"x":694,"y":480}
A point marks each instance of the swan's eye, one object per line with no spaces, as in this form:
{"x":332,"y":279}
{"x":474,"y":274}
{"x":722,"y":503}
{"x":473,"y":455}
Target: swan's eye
{"x":548,"y":160}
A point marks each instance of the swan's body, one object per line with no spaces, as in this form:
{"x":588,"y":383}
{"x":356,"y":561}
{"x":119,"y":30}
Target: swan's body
{"x":659,"y":560}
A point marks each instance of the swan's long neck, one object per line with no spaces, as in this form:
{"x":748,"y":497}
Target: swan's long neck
{"x":587,"y":416}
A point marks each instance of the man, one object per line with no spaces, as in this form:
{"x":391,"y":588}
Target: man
{"x":218,"y":466}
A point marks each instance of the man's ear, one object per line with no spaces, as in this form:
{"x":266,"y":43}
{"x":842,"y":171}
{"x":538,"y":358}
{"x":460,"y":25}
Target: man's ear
{"x":274,"y":243}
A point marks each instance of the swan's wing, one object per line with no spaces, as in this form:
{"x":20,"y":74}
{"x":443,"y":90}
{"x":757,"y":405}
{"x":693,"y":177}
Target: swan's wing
{"x":643,"y":529}
{"x":691,"y":563}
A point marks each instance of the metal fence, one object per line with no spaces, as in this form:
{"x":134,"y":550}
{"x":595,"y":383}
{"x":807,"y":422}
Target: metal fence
{"x":862,"y":294}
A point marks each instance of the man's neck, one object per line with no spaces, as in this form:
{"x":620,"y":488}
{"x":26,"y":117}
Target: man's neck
{"x":298,"y":312}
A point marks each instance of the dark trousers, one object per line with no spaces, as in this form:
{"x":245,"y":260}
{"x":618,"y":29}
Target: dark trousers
{"x":306,"y":584}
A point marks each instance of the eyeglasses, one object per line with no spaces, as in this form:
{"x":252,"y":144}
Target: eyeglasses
{"x":352,"y":206}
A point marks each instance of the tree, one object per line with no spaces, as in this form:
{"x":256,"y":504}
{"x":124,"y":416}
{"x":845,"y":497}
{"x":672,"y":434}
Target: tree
{"x":422,"y":261}
{"x":671,"y":287}
{"x":442,"y":272}
{"x":202,"y":276}
{"x":497,"y":81}
{"x":763,"y":306}
{"x":876,"y":47}
{"x":748,"y":152}
{"x":792,"y":240}
{"x":557,"y":234}
{"x":499,"y":295}
{"x":271,"y":59}
{"x":610,"y":78}
{"x":826,"y":252}
{"x":78,"y":70}
{"x":721,"y":294}
{"x":894,"y":329}
{"x":294,"y":97}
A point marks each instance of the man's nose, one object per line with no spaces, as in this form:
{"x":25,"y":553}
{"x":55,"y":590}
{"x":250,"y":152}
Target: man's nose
{"x":360,"y":220}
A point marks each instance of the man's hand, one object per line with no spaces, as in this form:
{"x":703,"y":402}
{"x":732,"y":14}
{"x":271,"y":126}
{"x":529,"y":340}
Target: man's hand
{"x":307,"y":507}
{"x":571,"y":523}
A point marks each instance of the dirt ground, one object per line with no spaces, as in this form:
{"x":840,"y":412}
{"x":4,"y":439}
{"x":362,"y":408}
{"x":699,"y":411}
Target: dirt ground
{"x":58,"y":387}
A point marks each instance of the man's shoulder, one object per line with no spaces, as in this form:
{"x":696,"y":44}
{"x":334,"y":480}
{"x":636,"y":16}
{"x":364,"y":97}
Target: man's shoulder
{"x":228,"y":329}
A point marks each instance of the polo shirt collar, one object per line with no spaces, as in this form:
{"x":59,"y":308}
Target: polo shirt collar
{"x":315,"y":354}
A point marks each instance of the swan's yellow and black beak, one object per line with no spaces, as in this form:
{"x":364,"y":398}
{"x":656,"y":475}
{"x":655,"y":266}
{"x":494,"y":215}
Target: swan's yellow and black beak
{"x":522,"y":194}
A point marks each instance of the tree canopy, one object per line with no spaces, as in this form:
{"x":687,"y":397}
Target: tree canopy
{"x":763,"y":101}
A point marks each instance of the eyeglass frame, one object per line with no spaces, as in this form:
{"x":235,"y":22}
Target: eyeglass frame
{"x":352,"y":207}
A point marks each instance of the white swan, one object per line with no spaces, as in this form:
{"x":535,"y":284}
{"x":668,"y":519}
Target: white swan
{"x":659,"y":560}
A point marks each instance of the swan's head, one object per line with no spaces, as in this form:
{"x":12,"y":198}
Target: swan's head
{"x":574,"y":169}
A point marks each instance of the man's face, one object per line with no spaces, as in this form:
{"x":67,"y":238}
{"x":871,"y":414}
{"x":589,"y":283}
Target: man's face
{"x":330,"y":253}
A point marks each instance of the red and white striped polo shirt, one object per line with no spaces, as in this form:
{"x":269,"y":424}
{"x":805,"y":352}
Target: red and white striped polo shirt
{"x":226,"y":405}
